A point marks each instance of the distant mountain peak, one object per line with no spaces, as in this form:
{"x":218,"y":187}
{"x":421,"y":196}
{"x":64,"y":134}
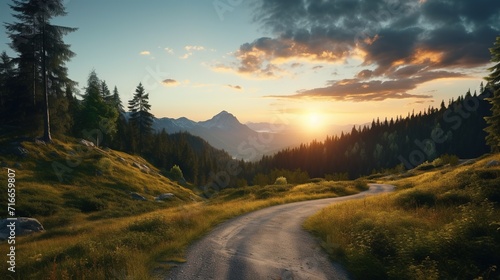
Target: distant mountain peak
{"x":223,"y":120}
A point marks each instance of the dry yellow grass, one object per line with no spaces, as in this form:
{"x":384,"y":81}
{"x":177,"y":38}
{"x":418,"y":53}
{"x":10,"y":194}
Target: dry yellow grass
{"x":441,"y":224}
{"x":94,"y":230}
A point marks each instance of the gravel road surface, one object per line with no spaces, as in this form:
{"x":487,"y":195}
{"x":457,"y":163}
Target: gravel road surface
{"x":266,"y":244}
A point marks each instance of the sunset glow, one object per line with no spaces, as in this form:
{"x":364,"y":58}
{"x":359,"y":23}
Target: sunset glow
{"x":398,"y":57}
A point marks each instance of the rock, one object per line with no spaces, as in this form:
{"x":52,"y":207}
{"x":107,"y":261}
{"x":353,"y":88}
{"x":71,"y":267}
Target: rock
{"x":17,"y":165}
{"x":135,"y":164}
{"x":137,"y":196}
{"x":23,"y":226}
{"x":87,"y":143}
{"x":493,"y":163}
{"x":165,"y":196}
{"x":98,"y":172}
{"x":145,"y":167}
{"x":120,"y":159}
{"x":39,"y":142}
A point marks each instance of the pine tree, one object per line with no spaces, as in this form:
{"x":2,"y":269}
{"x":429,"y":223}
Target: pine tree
{"x":120,"y":141}
{"x":6,"y":76}
{"x":141,"y":119}
{"x":42,"y":55}
{"x":493,"y":129}
{"x":97,"y":117}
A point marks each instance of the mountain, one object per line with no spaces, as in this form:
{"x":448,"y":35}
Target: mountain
{"x":223,"y":131}
{"x":244,"y":141}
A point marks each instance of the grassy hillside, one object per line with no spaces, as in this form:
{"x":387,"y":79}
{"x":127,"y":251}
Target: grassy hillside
{"x":96,"y":230}
{"x":443,"y":223}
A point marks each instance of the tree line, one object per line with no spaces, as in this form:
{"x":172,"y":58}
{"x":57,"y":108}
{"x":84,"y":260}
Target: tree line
{"x":455,"y":129}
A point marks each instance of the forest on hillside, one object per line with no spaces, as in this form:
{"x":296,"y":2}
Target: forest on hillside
{"x":455,"y":129}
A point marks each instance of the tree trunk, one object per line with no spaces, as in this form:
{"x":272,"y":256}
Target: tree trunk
{"x":46,"y":120}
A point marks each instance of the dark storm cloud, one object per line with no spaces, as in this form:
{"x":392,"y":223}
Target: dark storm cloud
{"x":397,"y":38}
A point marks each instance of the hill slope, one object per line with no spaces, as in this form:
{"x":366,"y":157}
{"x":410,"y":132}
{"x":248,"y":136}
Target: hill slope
{"x":443,"y":223}
{"x":84,"y":181}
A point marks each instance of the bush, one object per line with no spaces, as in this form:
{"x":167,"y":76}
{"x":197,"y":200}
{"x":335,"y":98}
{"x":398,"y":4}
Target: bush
{"x":416,"y":198}
{"x":176,"y":173}
{"x":280,"y":181}
{"x":84,"y":203}
{"x":445,"y":159}
{"x":453,"y":198}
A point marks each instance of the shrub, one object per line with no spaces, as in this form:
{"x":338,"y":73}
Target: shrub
{"x":445,"y":159}
{"x":280,"y":181}
{"x":85,"y":203}
{"x":361,"y":185}
{"x":416,"y":198}
{"x":176,"y":172}
{"x":452,"y":198}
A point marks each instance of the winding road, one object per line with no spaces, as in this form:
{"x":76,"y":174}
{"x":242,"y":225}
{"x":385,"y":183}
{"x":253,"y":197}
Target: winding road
{"x":266,"y":244}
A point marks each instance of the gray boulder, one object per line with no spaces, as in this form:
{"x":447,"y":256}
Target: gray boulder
{"x":87,"y":143}
{"x":23,"y":226}
{"x":137,"y":196}
{"x":165,"y":196}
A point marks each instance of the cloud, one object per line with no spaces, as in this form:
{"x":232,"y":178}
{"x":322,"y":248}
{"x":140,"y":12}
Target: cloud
{"x":186,"y":56}
{"x":357,"y":89}
{"x":190,"y":50}
{"x":169,"y":50}
{"x":145,"y":53}
{"x":170,"y":83}
{"x":399,"y":44}
{"x":194,"y":48}
{"x":235,"y":87}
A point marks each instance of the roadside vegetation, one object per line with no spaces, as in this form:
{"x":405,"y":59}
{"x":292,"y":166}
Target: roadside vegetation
{"x":442,"y":223}
{"x":95,"y":229}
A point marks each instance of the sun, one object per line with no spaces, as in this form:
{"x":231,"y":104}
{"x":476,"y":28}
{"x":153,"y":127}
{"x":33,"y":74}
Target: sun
{"x":313,"y":121}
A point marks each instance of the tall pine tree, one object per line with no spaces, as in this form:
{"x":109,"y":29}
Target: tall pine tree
{"x":493,"y":129}
{"x":141,"y":120}
{"x":41,"y":59}
{"x":6,"y":76}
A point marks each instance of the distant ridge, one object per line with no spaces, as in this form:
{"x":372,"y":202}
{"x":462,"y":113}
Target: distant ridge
{"x":223,"y":131}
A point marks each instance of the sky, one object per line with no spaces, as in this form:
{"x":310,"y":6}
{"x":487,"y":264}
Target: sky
{"x":313,"y":62}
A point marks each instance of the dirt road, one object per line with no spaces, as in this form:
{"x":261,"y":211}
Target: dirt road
{"x":265,"y":244}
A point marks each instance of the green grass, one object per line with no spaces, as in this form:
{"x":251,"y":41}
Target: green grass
{"x":94,"y":230}
{"x":441,"y":224}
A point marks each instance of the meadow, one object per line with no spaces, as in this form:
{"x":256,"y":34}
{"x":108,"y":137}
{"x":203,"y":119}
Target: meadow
{"x":443,"y":222}
{"x":95,"y":230}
